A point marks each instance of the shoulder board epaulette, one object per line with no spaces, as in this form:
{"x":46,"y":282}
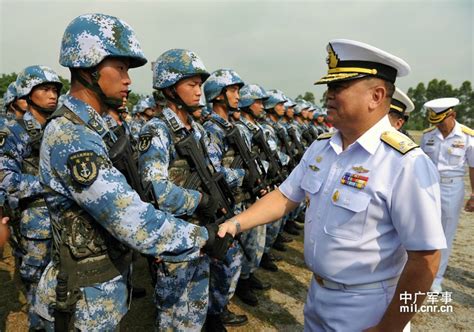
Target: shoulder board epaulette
{"x":429,"y":129}
{"x":398,"y":141}
{"x":467,"y":130}
{"x":325,"y":136}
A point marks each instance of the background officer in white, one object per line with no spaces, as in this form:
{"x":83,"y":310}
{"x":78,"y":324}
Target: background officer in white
{"x":450,"y":145}
{"x":363,"y":243}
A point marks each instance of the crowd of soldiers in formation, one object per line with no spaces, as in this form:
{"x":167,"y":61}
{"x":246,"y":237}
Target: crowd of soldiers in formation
{"x":275,"y":132}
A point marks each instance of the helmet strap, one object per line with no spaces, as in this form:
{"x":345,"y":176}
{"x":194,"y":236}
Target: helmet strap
{"x":95,"y":87}
{"x":174,"y":97}
{"x":39,"y":108}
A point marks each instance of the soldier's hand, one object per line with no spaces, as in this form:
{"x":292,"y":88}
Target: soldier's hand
{"x":217,"y":246}
{"x":4,"y":231}
{"x":207,"y":208}
{"x":469,"y":207}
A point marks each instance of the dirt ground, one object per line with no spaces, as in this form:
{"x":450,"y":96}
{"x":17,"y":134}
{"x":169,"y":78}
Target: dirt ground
{"x":281,"y":307}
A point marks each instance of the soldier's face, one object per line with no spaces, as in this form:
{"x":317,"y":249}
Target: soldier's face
{"x":232,"y":93}
{"x":113,"y":77}
{"x":257,"y":108}
{"x":290,"y":112}
{"x":304,"y":113}
{"x":280,"y":109}
{"x":320,"y":119}
{"x":189,"y":90}
{"x":45,"y":95}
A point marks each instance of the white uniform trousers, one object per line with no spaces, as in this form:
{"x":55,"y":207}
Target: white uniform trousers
{"x":344,"y":310}
{"x":452,"y":198}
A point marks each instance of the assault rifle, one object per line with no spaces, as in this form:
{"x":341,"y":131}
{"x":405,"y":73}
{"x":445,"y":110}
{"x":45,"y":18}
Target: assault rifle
{"x":296,"y":143}
{"x":276,"y":173}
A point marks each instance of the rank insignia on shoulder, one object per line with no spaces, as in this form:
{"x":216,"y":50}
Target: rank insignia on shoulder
{"x":325,"y":136}
{"x":97,"y":126}
{"x":144,"y":142}
{"x":314,"y":168}
{"x":398,"y":141}
{"x":360,"y":169}
{"x":3,"y":138}
{"x":429,"y":129}
{"x":467,"y":130}
{"x":83,"y":167}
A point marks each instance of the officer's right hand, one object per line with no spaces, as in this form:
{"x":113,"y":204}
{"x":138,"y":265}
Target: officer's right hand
{"x":217,"y":246}
{"x":4,"y":231}
{"x":207,"y":208}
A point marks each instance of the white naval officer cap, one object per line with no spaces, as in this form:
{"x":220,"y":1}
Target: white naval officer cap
{"x":439,"y":109}
{"x":401,"y":103}
{"x":350,"y":59}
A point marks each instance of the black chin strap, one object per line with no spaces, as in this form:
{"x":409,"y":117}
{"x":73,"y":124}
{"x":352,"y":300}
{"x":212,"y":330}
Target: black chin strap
{"x":95,"y":87}
{"x":39,"y":108}
{"x":174,"y":97}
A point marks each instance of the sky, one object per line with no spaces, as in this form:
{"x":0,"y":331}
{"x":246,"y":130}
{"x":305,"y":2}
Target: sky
{"x":277,"y":44}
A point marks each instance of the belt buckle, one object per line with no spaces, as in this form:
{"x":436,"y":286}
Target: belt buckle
{"x":320,"y":281}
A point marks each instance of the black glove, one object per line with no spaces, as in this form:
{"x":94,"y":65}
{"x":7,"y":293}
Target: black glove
{"x":248,"y":181}
{"x":217,"y":246}
{"x":207,"y":208}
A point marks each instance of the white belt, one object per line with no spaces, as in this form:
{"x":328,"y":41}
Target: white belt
{"x":373,"y":285}
{"x":451,"y":179}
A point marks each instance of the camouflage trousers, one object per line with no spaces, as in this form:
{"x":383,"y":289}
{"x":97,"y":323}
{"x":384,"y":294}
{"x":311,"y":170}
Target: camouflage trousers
{"x":223,"y":279}
{"x":253,"y":242}
{"x":181,"y":295}
{"x":33,"y":262}
{"x":271,"y":234}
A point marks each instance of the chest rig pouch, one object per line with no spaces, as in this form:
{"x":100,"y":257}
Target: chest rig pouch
{"x":30,"y":164}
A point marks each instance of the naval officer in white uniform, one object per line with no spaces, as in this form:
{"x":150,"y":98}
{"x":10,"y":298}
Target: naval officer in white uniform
{"x":450,"y":145}
{"x":373,"y":224}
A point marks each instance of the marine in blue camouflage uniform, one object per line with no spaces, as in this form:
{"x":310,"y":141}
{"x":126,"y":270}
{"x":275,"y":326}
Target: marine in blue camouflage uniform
{"x":182,"y":288}
{"x":95,"y":213}
{"x":222,"y":90}
{"x":251,"y":107}
{"x":275,"y":110}
{"x":39,"y":86}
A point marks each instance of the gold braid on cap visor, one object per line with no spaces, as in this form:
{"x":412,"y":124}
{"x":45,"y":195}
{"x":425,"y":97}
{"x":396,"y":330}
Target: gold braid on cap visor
{"x":434,"y":117}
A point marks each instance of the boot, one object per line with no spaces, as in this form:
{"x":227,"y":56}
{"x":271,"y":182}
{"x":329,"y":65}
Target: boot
{"x":256,"y":283}
{"x":285,"y":239}
{"x":275,"y":258}
{"x":231,"y":319}
{"x":296,"y":225}
{"x":267,"y":263}
{"x":279,"y":245}
{"x":245,"y":293}
{"x":290,"y":228}
{"x":214,"y":324}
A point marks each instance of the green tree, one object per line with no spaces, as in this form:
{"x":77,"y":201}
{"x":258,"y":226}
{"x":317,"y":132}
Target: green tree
{"x":132,"y":100}
{"x":308,"y":96}
{"x":5,"y":81}
{"x":66,"y":85}
{"x":417,"y":117}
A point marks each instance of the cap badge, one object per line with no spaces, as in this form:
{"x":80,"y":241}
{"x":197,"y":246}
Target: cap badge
{"x":332,"y":59}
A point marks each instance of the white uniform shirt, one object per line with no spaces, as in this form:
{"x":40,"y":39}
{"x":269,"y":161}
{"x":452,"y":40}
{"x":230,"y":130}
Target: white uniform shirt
{"x":356,"y":236}
{"x":449,"y":154}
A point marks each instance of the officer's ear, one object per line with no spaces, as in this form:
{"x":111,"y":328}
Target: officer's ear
{"x":378,"y":94}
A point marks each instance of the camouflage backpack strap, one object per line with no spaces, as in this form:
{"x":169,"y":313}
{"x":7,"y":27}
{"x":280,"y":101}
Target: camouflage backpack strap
{"x":398,"y":141}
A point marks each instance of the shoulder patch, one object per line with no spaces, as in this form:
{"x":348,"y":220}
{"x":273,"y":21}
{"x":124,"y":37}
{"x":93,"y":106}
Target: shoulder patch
{"x":467,"y":130}
{"x":398,"y":141}
{"x":144,"y":142}
{"x":429,"y":129}
{"x":83,"y":167}
{"x":325,"y":136}
{"x":3,"y":138}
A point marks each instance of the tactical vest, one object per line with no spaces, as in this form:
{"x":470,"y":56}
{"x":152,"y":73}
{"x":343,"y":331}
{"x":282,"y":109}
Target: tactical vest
{"x":82,"y":247}
{"x":231,"y":159}
{"x":30,"y":164}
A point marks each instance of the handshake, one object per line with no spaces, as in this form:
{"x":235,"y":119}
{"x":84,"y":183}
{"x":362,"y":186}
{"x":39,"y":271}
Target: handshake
{"x":217,"y":246}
